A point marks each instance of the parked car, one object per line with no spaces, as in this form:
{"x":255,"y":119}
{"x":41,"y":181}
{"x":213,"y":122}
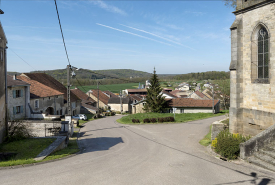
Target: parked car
{"x":80,"y":116}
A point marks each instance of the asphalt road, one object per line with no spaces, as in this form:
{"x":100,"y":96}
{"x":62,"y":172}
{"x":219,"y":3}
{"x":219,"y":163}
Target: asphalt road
{"x":140,"y":154}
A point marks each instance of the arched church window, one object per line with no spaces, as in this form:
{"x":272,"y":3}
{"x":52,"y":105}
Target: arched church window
{"x":263,"y":48}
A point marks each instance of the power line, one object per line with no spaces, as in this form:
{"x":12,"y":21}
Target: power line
{"x":22,"y":58}
{"x":62,"y":32}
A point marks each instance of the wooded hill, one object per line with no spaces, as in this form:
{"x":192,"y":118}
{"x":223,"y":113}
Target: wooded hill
{"x":213,"y":75}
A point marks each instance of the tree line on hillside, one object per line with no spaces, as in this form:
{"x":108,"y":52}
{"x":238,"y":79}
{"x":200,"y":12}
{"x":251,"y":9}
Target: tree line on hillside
{"x":213,"y":75}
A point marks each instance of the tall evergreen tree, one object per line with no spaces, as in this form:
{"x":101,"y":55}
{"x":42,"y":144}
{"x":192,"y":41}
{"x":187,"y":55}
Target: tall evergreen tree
{"x":155,"y":102}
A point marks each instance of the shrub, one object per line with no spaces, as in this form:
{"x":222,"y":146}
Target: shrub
{"x":160,"y":120}
{"x":227,"y":144}
{"x":113,"y":113}
{"x":137,"y":121}
{"x":17,"y":130}
{"x":146,"y":120}
{"x":153,"y":120}
{"x":118,"y":112}
{"x":171,"y":119}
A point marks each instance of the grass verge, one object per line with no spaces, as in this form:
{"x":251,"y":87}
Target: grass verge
{"x":26,"y":150}
{"x":71,"y":149}
{"x":207,"y":138}
{"x":178,"y":117}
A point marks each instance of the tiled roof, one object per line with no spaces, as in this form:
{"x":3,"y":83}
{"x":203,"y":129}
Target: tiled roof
{"x":169,"y":94}
{"x":17,"y":82}
{"x":116,"y":100}
{"x":102,"y":97}
{"x":205,"y":92}
{"x":89,"y":106}
{"x":110,"y":94}
{"x":190,"y":102}
{"x":39,"y":90}
{"x":49,"y":81}
{"x":175,"y":92}
{"x":135,"y":97}
{"x":201,"y":95}
{"x":81,"y":95}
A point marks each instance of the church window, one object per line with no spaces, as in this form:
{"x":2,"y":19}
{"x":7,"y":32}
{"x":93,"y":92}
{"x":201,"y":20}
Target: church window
{"x":263,"y":59}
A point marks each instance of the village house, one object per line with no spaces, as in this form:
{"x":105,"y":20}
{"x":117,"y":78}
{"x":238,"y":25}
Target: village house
{"x":88,"y":105}
{"x":48,"y":96}
{"x":18,"y":98}
{"x":190,"y":105}
{"x":198,"y":96}
{"x":120,"y":104}
{"x":3,"y":82}
{"x":137,"y":106}
{"x":100,"y":97}
{"x":135,"y":91}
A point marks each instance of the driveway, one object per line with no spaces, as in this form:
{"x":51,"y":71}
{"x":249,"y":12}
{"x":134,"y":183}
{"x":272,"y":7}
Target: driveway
{"x":113,"y":154}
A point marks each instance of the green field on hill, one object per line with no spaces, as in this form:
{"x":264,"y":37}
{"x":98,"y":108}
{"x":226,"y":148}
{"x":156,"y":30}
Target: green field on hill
{"x":115,"y":88}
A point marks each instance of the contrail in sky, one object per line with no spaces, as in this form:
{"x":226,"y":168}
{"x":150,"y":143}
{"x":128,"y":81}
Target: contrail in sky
{"x":156,"y":36}
{"x":133,"y":34}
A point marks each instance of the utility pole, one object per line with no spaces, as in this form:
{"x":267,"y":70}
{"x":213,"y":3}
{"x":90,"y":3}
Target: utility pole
{"x":121,"y":108}
{"x":97,"y":96}
{"x":69,"y":90}
{"x":213,"y":100}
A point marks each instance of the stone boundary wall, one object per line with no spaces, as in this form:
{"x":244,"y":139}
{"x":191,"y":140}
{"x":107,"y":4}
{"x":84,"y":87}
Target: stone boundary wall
{"x":217,"y":127}
{"x":257,"y":142}
{"x":37,"y":127}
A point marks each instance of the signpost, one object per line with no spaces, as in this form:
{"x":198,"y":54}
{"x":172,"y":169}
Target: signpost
{"x":174,"y":111}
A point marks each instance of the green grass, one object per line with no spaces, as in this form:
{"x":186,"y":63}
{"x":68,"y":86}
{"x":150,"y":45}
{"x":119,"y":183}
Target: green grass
{"x":115,"y":88}
{"x":207,"y":139}
{"x":179,"y":117}
{"x":71,"y":149}
{"x":26,"y":150}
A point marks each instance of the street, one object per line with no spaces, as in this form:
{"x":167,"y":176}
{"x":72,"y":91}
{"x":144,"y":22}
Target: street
{"x":114,"y":154}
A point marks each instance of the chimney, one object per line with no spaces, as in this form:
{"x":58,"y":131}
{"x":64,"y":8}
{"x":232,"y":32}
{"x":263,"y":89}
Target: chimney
{"x":14,"y":77}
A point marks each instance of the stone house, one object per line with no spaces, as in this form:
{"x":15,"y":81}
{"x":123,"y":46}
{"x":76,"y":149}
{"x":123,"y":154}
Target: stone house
{"x":53,"y":98}
{"x":198,"y":96}
{"x":100,"y":98}
{"x":189,"y":105}
{"x":18,"y":98}
{"x":115,"y":104}
{"x":252,"y":67}
{"x":88,"y":105}
{"x":137,"y":107}
{"x":43,"y":100}
{"x":3,"y":82}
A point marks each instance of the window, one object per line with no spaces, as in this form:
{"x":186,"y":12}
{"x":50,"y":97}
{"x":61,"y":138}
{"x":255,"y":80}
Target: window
{"x":36,"y":104}
{"x":181,"y":110}
{"x":17,"y":110}
{"x":17,"y":93}
{"x":263,"y":53}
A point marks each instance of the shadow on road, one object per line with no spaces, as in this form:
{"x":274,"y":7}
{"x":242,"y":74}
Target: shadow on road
{"x":99,"y":144}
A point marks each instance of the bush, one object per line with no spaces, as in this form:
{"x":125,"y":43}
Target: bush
{"x":118,"y":112}
{"x":171,"y":119}
{"x":135,"y":121}
{"x":113,"y":113}
{"x":227,"y":144}
{"x":17,"y":130}
{"x":146,"y":120}
{"x":160,"y":120}
{"x":153,"y":120}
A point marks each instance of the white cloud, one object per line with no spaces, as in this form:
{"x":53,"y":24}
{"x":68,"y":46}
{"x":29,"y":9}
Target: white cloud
{"x":107,"y":7}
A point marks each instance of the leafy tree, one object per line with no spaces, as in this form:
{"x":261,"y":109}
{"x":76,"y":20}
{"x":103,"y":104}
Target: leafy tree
{"x":155,"y":102}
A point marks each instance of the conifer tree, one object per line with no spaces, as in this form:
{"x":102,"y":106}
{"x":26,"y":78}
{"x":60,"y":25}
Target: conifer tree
{"x":155,"y":102}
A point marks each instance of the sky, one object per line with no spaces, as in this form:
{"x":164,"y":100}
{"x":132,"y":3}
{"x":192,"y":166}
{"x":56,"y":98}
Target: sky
{"x":175,"y":37}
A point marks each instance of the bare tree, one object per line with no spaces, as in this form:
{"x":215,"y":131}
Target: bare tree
{"x":231,"y":3}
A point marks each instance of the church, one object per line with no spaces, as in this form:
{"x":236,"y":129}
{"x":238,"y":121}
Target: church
{"x":252,"y":67}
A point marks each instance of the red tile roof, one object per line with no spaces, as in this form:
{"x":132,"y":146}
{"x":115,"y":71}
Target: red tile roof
{"x":136,"y":97}
{"x":102,"y":97}
{"x":39,"y":90}
{"x":81,"y":95}
{"x":200,"y":94}
{"x":110,"y":94}
{"x":190,"y":102}
{"x":49,"y":81}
